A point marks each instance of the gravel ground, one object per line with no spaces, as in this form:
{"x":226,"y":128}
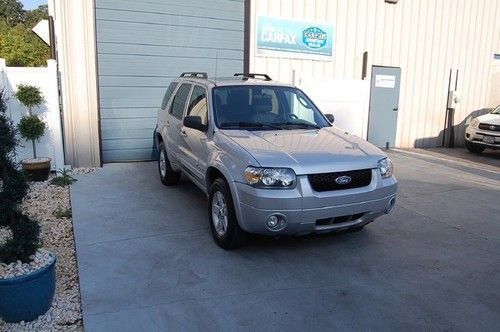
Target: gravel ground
{"x":57,"y":236}
{"x":40,"y":259}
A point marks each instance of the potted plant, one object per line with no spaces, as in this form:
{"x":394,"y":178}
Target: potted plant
{"x":27,"y":273}
{"x":32,"y":128}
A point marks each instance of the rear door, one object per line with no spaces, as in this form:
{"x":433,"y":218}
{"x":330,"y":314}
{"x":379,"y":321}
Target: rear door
{"x":164,"y":109}
{"x":174,"y":120}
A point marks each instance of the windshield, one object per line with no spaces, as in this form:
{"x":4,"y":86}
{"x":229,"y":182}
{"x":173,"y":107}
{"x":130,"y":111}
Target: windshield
{"x":259,"y":107}
{"x":496,"y":110}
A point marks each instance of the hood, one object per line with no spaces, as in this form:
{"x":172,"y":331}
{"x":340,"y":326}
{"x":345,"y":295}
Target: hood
{"x":490,"y":118}
{"x":308,"y":151}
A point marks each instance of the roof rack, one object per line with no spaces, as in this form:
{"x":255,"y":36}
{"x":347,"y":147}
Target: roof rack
{"x":194,"y":74}
{"x":254,"y":75}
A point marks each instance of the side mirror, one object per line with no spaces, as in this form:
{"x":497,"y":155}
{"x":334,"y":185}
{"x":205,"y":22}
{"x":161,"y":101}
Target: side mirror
{"x":194,"y":122}
{"x":330,"y":117}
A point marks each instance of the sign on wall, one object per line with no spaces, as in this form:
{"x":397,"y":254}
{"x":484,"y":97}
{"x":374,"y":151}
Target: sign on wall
{"x":306,"y":38}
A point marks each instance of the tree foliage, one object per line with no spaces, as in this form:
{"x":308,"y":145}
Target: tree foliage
{"x":19,"y":46}
{"x":13,"y":187}
{"x":12,"y":12}
{"x":29,"y":95}
{"x":31,"y":127}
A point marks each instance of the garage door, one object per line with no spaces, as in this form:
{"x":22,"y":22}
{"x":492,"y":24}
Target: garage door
{"x":141,"y":46}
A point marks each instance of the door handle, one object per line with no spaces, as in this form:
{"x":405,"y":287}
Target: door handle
{"x":168,"y":124}
{"x":183,"y":133}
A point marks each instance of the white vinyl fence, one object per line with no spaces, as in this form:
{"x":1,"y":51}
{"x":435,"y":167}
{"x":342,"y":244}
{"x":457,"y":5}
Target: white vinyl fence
{"x":348,"y":100}
{"x":51,"y":144}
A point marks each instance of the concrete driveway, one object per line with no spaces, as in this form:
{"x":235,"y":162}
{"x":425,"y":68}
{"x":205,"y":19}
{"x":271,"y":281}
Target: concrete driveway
{"x":147,"y":261}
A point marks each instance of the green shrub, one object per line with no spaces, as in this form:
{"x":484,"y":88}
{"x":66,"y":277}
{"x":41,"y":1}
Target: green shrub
{"x":63,"y":180}
{"x":60,"y":213}
{"x":31,"y":127}
{"x":29,"y":95}
{"x":13,"y":187}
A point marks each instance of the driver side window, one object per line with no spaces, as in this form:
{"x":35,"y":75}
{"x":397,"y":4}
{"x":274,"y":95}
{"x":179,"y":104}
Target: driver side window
{"x":301,"y":108}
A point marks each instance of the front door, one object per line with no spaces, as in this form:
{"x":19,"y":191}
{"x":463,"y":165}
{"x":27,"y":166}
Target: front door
{"x":195,"y":149}
{"x":384,"y":104}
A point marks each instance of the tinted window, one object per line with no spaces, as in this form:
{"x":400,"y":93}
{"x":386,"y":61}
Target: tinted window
{"x":168,"y":94}
{"x":177,"y":107}
{"x":198,"y":104}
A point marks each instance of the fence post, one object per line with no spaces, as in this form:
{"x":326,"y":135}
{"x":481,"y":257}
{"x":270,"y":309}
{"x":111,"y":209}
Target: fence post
{"x":2,"y":73}
{"x":55,"y":114}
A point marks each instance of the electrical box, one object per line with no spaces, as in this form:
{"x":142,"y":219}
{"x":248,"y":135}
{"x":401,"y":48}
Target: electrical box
{"x":453,"y":99}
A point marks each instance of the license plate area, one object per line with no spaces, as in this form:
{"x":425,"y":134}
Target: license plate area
{"x":489,"y":139}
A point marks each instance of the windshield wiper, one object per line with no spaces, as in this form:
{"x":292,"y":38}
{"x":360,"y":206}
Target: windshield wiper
{"x":298,"y":124}
{"x":249,"y":125}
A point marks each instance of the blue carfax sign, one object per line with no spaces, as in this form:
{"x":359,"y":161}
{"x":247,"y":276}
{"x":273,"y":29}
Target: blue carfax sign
{"x":294,"y":36}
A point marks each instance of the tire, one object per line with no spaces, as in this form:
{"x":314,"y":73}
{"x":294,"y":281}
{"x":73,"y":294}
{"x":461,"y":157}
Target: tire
{"x":168,"y":176}
{"x":474,"y":148}
{"x":223,"y":222}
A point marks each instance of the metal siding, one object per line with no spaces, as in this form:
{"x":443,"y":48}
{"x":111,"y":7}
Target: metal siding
{"x":141,"y":46}
{"x":74,"y":24}
{"x":424,"y":37}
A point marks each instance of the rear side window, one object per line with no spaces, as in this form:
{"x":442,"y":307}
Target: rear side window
{"x":179,"y":102}
{"x":198,"y":104}
{"x":168,"y":94}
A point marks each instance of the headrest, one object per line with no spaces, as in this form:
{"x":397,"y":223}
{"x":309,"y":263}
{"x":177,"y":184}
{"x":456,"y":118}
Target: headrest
{"x":262,"y":103}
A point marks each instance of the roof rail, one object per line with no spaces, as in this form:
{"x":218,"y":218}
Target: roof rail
{"x":194,"y":74}
{"x":254,"y":75}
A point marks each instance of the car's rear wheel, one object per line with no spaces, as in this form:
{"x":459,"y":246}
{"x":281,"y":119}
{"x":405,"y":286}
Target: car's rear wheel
{"x":168,"y":176}
{"x":474,"y":148}
{"x":223,"y":222}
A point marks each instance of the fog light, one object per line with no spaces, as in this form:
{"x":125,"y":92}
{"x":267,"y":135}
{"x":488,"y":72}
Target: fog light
{"x":272,"y":221}
{"x":276,"y":222}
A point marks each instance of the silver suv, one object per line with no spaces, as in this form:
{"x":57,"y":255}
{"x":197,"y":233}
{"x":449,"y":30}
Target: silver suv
{"x":268,"y":159}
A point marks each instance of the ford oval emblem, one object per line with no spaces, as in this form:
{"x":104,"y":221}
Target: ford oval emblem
{"x":344,"y":179}
{"x":492,"y":127}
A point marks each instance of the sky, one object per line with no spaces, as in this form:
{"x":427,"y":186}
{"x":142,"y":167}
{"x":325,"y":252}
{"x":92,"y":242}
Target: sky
{"x":31,"y":4}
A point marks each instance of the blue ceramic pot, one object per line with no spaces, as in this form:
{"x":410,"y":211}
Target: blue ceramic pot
{"x":29,"y":296}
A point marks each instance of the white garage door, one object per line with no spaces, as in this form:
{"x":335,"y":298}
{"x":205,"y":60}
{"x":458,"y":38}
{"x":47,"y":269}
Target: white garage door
{"x":141,"y":46}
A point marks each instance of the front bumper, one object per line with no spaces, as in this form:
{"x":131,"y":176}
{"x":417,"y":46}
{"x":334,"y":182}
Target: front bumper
{"x":476,"y":136}
{"x":303,"y":209}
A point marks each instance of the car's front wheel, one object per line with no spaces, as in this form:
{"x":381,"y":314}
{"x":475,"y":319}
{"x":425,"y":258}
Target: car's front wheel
{"x":223,"y":222}
{"x":168,"y":176}
{"x":474,"y":148}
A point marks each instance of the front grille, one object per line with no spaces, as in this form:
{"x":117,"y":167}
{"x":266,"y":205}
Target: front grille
{"x":338,"y":220}
{"x":489,"y":127}
{"x":327,"y":181}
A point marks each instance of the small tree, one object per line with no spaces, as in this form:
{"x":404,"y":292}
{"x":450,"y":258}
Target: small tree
{"x":13,"y":186}
{"x":31,"y":126}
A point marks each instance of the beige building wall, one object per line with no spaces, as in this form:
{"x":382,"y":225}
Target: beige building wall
{"x":426,"y":38}
{"x":74,"y":24}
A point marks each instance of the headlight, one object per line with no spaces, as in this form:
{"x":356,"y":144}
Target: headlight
{"x":474,"y":123}
{"x":385,"y":167}
{"x":270,"y":177}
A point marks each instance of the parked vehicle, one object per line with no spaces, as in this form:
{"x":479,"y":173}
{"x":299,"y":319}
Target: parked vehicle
{"x":483,"y":132}
{"x":268,"y":159}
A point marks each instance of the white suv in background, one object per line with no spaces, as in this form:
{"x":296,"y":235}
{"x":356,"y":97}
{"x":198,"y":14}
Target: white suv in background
{"x":483,"y":132}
